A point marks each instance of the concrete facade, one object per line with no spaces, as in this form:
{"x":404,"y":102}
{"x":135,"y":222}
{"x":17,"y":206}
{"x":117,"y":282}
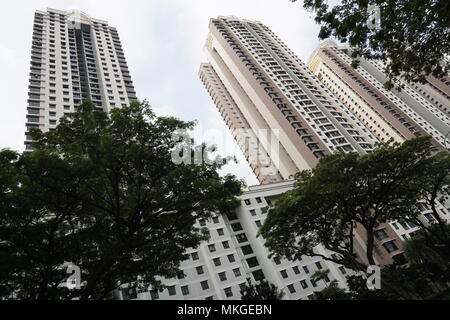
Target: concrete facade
{"x":275,"y":92}
{"x":218,"y":268}
{"x":400,"y":115}
{"x":74,"y":58}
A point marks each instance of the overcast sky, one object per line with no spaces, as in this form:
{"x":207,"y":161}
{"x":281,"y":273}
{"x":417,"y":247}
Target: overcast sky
{"x":163,"y":43}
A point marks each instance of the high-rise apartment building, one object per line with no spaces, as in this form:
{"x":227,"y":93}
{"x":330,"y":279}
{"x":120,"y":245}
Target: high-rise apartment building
{"x":418,"y":109}
{"x":259,"y":84}
{"x":74,"y":58}
{"x":220,"y":267}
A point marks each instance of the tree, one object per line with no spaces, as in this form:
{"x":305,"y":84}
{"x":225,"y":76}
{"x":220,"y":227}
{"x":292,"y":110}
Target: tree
{"x":332,"y":291}
{"x":349,"y":190}
{"x":263,"y":290}
{"x":102,"y":192}
{"x":414,"y":38}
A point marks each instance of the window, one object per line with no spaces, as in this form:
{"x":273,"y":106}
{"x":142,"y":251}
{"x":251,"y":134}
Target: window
{"x":306,"y":269}
{"x":228,"y":292}
{"x":253,"y":213}
{"x":200,"y":270}
{"x":217,"y":262}
{"x":319,"y":265}
{"x":304,"y":284}
{"x":247,"y":202}
{"x":241,"y":238}
{"x":390,"y":246}
{"x":172,"y":291}
{"x":342,"y":269}
{"x":202,"y":222}
{"x":258,"y":200}
{"x":231,"y":258}
{"x":154,"y":295}
{"x":185,"y":290}
{"x":205,"y":285}
{"x":231,"y":216}
{"x":226,"y":245}
{"x":216,"y":220}
{"x":258,"y":275}
{"x":291,"y":288}
{"x":252,"y":262}
{"x":277,"y":260}
{"x":381,"y":235}
{"x":220,"y":232}
{"x":258,"y":223}
{"x":212,"y":248}
{"x":247,"y":250}
{"x":236,"y":227}
{"x":296,"y":270}
{"x":284,"y":274}
{"x":223,"y":276}
{"x":237,"y":272}
{"x":195,"y":256}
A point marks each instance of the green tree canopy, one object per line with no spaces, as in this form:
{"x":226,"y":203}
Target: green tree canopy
{"x":262,"y":290}
{"x":102,"y":192}
{"x":414,"y":38}
{"x":348,"y":189}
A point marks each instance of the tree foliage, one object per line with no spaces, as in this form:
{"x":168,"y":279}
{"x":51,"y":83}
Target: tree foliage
{"x":262,"y":290}
{"x":414,"y":38}
{"x":346,"y":190}
{"x":101,"y":192}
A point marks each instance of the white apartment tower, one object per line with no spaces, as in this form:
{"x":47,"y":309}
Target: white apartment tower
{"x":74,"y":58}
{"x":220,"y":267}
{"x":258,"y":83}
{"x":418,"y":109}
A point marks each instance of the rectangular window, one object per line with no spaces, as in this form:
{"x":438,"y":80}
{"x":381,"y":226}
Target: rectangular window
{"x":252,"y":262}
{"x":291,"y":288}
{"x":205,"y":285}
{"x":246,"y":250}
{"x":304,"y":284}
{"x":343,"y":271}
{"x":228,"y":292}
{"x":241,"y":238}
{"x":212,"y":248}
{"x":226,"y":245}
{"x":154,"y":295}
{"x":217,"y":262}
{"x":199,"y":270}
{"x":231,"y":258}
{"x":236,"y":227}
{"x":185,"y":290}
{"x":172,"y":291}
{"x":390,"y":246}
{"x":223,"y":276}
{"x":237,"y":272}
